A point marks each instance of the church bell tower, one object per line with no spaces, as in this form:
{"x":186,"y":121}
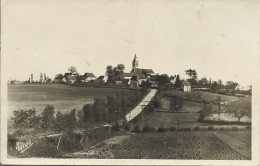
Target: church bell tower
{"x":135,"y":63}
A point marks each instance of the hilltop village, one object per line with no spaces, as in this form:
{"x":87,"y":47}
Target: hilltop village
{"x":136,"y":78}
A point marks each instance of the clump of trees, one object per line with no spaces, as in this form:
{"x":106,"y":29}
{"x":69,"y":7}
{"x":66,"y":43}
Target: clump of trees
{"x":115,"y":73}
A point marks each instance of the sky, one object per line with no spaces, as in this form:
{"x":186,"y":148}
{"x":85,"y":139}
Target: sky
{"x":217,"y":38}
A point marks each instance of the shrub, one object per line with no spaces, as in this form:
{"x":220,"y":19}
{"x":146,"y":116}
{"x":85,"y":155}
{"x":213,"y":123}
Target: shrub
{"x":235,"y":129}
{"x":196,"y":128}
{"x":127,"y":127}
{"x":222,"y":129}
{"x":136,"y":129}
{"x":187,"y":129}
{"x":211,"y":128}
{"x":248,"y":127}
{"x":173,"y":129}
{"x":147,"y":129}
{"x":162,"y":129}
{"x":11,"y":142}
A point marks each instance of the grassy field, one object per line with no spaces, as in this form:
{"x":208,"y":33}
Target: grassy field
{"x":199,"y":95}
{"x":187,"y":120}
{"x":188,"y":106}
{"x":172,"y":145}
{"x":63,"y":97}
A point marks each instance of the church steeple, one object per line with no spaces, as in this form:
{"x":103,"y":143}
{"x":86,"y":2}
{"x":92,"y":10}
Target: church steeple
{"x":135,"y":63}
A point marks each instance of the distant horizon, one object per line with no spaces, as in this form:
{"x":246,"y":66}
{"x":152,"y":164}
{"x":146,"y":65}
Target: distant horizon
{"x":216,"y":39}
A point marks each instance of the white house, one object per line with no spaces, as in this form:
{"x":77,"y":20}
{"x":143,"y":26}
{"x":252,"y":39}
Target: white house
{"x":186,"y":86}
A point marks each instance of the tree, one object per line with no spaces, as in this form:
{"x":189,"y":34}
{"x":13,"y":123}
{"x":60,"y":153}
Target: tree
{"x":80,"y":119}
{"x":48,"y":117}
{"x":176,"y":104}
{"x":178,"y":82}
{"x":163,"y":80}
{"x":25,"y":119}
{"x":219,"y":82}
{"x":191,"y":73}
{"x":230,"y":85}
{"x":59,"y":122}
{"x":121,"y":67}
{"x":112,"y":107}
{"x":100,"y":110}
{"x":240,"y":108}
{"x":109,"y":72}
{"x":72,"y":70}
{"x":88,"y":113}
{"x":214,"y":86}
{"x":204,"y":81}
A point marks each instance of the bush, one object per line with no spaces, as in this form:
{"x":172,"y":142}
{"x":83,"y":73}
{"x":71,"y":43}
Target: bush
{"x":136,"y":129}
{"x":147,"y":129}
{"x":196,"y":128}
{"x":162,"y":129}
{"x":222,"y":129}
{"x":248,"y":127}
{"x":187,"y":129}
{"x":11,"y":142}
{"x":211,"y":128}
{"x":127,"y":127}
{"x":173,"y":129}
{"x":235,"y":129}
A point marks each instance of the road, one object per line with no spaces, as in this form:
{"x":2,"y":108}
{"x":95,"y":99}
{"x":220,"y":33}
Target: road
{"x":138,"y":109}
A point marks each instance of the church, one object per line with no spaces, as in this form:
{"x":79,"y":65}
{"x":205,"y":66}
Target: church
{"x":137,"y":75}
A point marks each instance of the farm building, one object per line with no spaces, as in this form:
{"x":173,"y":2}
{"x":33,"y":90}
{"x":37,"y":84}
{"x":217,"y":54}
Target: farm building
{"x":89,"y":77}
{"x":186,"y":86}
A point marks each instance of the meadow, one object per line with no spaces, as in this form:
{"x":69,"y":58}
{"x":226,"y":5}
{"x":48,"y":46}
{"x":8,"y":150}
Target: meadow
{"x":64,"y":98}
{"x":187,"y":120}
{"x":199,"y":95}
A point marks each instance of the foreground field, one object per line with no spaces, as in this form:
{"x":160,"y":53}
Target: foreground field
{"x":171,"y":145}
{"x":64,"y":98}
{"x":239,"y":141}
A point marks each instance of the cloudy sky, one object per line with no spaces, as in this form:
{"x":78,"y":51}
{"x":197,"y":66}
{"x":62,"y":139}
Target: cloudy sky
{"x":217,"y":38}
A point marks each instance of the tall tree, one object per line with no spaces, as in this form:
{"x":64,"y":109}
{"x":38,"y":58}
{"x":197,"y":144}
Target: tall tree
{"x":109,"y":71}
{"x":72,"y":70}
{"x":204,"y":81}
{"x":178,"y":82}
{"x":191,"y":73}
{"x":48,"y":117}
{"x":100,"y":110}
{"x":88,"y":113}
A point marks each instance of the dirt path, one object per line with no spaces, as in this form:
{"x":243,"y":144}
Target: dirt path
{"x":138,"y":109}
{"x":101,"y":150}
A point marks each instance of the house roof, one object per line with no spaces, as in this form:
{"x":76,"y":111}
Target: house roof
{"x":154,"y":77}
{"x":101,"y":77}
{"x":128,"y":74}
{"x":137,"y":71}
{"x":141,"y":77}
{"x":89,"y":75}
{"x":186,"y":83}
{"x":82,"y":77}
{"x":67,"y":74}
{"x":147,"y":71}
